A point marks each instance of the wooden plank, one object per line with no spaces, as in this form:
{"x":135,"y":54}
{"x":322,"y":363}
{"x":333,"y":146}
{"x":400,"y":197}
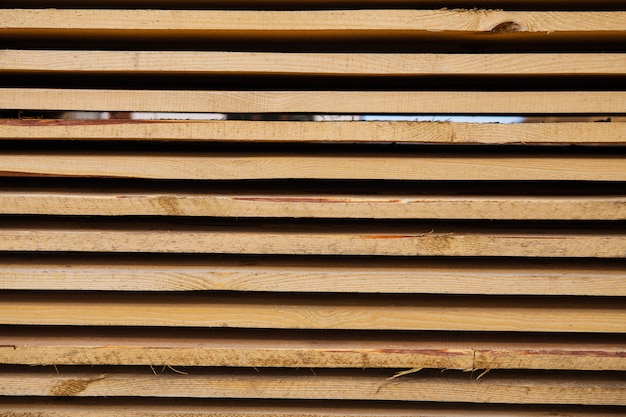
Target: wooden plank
{"x":263,"y":4}
{"x":354,"y":166}
{"x":345,"y":132}
{"x":355,"y":64}
{"x":405,"y":239}
{"x":398,"y":312}
{"x":308,"y":24}
{"x":302,"y":349}
{"x":190,"y":407}
{"x":175,"y":273}
{"x":334,"y":102}
{"x":495,"y":387}
{"x":147,"y":203}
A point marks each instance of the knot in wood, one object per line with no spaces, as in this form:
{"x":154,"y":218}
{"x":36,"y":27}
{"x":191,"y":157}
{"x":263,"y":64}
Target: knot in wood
{"x":507,"y":27}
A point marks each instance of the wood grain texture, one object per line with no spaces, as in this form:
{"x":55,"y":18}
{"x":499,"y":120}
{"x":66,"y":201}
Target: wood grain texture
{"x":414,"y":239}
{"x":495,"y":387}
{"x":308,"y":24}
{"x":265,"y":4}
{"x":235,"y":166}
{"x":301,"y":349}
{"x":399,"y":312}
{"x":148,"y":203}
{"x":175,"y":273}
{"x":189,"y":407}
{"x":299,"y":132}
{"x":333,"y":102}
{"x":355,"y":64}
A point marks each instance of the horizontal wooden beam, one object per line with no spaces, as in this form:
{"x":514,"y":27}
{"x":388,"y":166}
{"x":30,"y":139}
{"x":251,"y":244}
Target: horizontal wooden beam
{"x":343,"y":132}
{"x":264,"y":4}
{"x":122,"y":203}
{"x":176,"y":273}
{"x":291,"y":311}
{"x":355,"y":64}
{"x":414,"y":239}
{"x":353,"y":166}
{"x":334,"y":102}
{"x":495,"y":387}
{"x":189,"y":407}
{"x":308,"y":24}
{"x":302,"y":349}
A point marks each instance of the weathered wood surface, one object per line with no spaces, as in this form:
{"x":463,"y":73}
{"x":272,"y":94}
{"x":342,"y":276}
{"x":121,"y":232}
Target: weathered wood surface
{"x":342,"y":132}
{"x":354,"y":64}
{"x":293,"y":349}
{"x":190,"y":407}
{"x":150,"y":203}
{"x":291,"y":311}
{"x":334,"y":102}
{"x":405,"y":239}
{"x":175,"y":273}
{"x":243,"y":166}
{"x":494,"y":387}
{"x":314,"y":206}
{"x":264,"y":4}
{"x":309,"y":24}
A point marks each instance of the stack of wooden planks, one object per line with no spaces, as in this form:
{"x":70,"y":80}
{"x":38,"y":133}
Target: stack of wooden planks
{"x":382,"y":268}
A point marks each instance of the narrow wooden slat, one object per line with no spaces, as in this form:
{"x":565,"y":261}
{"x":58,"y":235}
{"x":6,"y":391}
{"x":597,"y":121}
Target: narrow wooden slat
{"x":262,"y":4}
{"x":349,"y":132}
{"x":190,"y":407}
{"x":372,"y":102}
{"x":249,"y":63}
{"x":451,"y":276}
{"x":517,"y":314}
{"x":312,"y":205}
{"x":247,"y":348}
{"x":496,"y":387}
{"x":414,"y":239}
{"x":258,"y":348}
{"x":308,"y":24}
{"x":233,"y":166}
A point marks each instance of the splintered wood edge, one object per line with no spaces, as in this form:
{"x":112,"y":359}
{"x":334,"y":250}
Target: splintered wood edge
{"x":494,"y":387}
{"x":355,"y":64}
{"x":327,"y":131}
{"x":321,"y":102}
{"x":297,"y":312}
{"x":173,"y":347}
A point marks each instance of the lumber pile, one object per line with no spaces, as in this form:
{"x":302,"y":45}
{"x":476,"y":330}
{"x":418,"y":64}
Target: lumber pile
{"x":267,"y":268}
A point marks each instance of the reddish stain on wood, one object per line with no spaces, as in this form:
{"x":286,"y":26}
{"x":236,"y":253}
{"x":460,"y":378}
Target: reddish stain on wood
{"x":592,"y":353}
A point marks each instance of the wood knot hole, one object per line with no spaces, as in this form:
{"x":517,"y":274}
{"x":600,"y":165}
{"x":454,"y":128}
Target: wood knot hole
{"x":507,"y":27}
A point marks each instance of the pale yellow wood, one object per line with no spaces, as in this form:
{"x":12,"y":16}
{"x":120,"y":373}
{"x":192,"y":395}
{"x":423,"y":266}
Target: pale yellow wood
{"x":415,"y":102}
{"x":305,"y":312}
{"x":355,"y":64}
{"x":580,"y":4}
{"x":123,"y":202}
{"x":496,"y":387}
{"x":240,"y":349}
{"x":260,"y":348}
{"x":115,"y":273}
{"x":349,"y":132}
{"x":254,"y":238}
{"x":233,"y":166}
{"x":308,"y":24}
{"x":188,"y":407}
